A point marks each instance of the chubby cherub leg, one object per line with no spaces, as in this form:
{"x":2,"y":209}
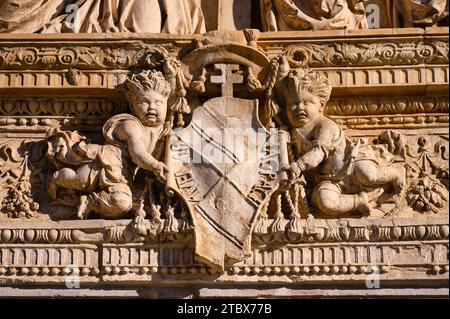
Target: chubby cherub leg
{"x":371,"y":174}
{"x":70,"y":179}
{"x":113,"y":204}
{"x":330,"y":200}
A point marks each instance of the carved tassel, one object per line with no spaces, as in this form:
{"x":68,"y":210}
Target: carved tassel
{"x":278,"y":224}
{"x":199,"y":85}
{"x":155,"y":210}
{"x":171,"y":223}
{"x":181,"y":105}
{"x":301,"y":200}
{"x":253,"y":83}
{"x":294,"y":225}
{"x":185,"y":225}
{"x":270,"y":107}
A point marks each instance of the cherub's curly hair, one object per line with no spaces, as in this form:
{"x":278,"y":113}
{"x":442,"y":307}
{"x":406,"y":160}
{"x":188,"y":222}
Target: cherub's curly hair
{"x":146,"y":80}
{"x":297,"y":80}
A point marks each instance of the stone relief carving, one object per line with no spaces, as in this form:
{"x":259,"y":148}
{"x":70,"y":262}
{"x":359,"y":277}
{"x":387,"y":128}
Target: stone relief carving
{"x":15,"y":176}
{"x":265,"y":78}
{"x":140,"y":168}
{"x":403,"y":52}
{"x":188,"y":16}
{"x":227,"y":143}
{"x":348,"y":177}
{"x":289,"y":15}
{"x":368,"y":54}
{"x":228,"y":160}
{"x":104,"y":173}
{"x":93,"y":16}
{"x":422,"y":13}
{"x":428,"y":181}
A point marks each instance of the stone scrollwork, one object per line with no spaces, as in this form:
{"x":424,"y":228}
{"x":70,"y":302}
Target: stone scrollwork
{"x":368,"y":54}
{"x":403,"y":52}
{"x":81,"y":57}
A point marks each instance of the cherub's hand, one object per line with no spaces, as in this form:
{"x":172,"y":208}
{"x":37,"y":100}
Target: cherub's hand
{"x":330,"y":24}
{"x":338,"y":23}
{"x":291,"y":176}
{"x":295,"y":171}
{"x":160,"y":171}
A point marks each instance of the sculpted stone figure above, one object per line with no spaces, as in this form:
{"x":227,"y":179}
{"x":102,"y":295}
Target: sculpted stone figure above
{"x":104,"y":173}
{"x":347,"y":177}
{"x":294,"y":15}
{"x":422,"y":12}
{"x":95,"y":16}
{"x":201,"y":16}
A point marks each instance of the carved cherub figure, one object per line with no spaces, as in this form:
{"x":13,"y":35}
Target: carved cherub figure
{"x":349,"y":177}
{"x":104,"y":173}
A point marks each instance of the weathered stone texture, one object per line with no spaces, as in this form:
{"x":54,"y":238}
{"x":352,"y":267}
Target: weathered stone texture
{"x":236,"y":163}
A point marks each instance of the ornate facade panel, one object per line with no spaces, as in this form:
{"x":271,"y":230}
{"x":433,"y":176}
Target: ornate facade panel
{"x":294,"y":161}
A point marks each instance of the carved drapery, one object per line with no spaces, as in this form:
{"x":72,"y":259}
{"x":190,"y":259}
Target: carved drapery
{"x":422,"y":13}
{"x":93,"y":16}
{"x":28,"y":16}
{"x":288,"y":15}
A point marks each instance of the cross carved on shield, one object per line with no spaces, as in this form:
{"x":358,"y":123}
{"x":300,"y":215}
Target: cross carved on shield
{"x":226,"y":172}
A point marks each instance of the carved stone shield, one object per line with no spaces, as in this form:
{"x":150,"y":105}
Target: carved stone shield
{"x":223,"y":166}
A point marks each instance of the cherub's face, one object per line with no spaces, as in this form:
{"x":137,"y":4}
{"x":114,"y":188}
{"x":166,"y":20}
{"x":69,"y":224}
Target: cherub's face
{"x":303,"y":108}
{"x":151,"y":108}
{"x":57,"y":148}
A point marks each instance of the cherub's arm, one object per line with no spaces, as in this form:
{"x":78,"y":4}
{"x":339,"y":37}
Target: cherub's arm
{"x":308,"y":161}
{"x":131,"y":133}
{"x":323,"y":137}
{"x":312,"y":159}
